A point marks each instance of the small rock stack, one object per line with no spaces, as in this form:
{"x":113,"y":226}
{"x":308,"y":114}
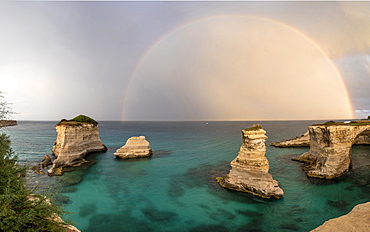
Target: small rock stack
{"x":135,"y":147}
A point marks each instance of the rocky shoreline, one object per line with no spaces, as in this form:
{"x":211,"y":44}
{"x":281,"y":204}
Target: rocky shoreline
{"x":4,"y":123}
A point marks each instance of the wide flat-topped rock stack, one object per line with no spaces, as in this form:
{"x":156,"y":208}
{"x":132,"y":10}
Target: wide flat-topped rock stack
{"x":249,"y":170}
{"x":135,"y":147}
{"x":74,"y":140}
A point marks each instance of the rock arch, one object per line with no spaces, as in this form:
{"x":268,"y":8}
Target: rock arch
{"x":331,"y":147}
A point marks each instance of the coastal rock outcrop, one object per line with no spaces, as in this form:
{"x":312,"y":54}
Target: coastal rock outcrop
{"x":249,"y":172}
{"x":331,"y":146}
{"x":135,"y":147}
{"x":357,"y":220}
{"x":4,"y":123}
{"x":301,"y":141}
{"x":74,"y":140}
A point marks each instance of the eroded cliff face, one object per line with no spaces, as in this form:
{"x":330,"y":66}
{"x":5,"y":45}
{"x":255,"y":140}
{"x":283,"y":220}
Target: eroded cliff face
{"x":330,"y":149}
{"x":249,"y":172}
{"x":74,"y":141}
{"x":135,"y":147}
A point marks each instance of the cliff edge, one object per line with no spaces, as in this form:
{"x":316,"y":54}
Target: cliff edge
{"x":75,"y":138}
{"x":249,"y":170}
{"x":357,"y":220}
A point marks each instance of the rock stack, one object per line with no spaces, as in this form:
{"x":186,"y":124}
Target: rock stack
{"x":74,"y":141}
{"x":135,"y":147}
{"x":249,"y":172}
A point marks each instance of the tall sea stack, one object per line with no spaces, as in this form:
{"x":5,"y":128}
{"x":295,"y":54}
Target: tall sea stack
{"x":249,"y":172}
{"x":75,"y":139}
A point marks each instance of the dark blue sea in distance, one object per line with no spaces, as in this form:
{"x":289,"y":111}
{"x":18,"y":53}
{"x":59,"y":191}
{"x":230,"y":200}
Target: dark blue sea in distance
{"x":175,"y":189}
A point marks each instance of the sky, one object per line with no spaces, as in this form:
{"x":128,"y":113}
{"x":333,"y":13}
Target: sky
{"x":216,"y":60}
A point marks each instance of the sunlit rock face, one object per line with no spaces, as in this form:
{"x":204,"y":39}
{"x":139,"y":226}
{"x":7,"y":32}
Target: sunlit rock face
{"x":135,"y":147}
{"x":249,"y":172}
{"x":74,"y":141}
{"x":356,"y":220}
{"x":330,"y":149}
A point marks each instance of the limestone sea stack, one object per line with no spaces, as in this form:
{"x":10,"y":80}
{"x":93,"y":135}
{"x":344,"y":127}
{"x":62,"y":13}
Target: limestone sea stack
{"x":135,"y":147}
{"x":75,"y":139}
{"x":331,"y":146}
{"x":249,"y":170}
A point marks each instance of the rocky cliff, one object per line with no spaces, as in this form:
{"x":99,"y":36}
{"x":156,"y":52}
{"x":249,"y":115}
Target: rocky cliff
{"x":249,"y":170}
{"x":301,"y":141}
{"x":330,"y":148}
{"x":135,"y":147}
{"x":74,"y":141}
{"x":4,"y":123}
{"x":358,"y":220}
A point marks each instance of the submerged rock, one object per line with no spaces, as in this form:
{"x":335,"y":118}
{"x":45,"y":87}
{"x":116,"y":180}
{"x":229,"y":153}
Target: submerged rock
{"x":135,"y":147}
{"x":74,"y":140}
{"x":357,"y":220}
{"x":249,"y":172}
{"x":331,"y":147}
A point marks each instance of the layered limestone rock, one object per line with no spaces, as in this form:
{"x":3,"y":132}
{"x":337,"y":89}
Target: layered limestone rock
{"x":357,"y":220}
{"x":249,"y":172}
{"x":135,"y":147}
{"x":74,"y":141}
{"x":330,"y":148}
{"x":301,"y":141}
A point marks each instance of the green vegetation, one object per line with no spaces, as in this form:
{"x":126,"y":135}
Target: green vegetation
{"x":351,"y":123}
{"x":78,"y":120}
{"x":21,"y":209}
{"x":254,"y":127}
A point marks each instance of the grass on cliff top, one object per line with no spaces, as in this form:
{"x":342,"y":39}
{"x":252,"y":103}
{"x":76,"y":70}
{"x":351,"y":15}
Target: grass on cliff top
{"x":254,"y":128}
{"x":78,"y":120}
{"x":351,"y":123}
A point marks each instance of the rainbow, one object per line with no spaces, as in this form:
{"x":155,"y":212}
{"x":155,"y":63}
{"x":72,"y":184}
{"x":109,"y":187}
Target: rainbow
{"x":158,"y":41}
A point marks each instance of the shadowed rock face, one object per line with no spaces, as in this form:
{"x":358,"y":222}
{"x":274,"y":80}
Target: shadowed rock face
{"x":330,"y":149}
{"x":135,"y":147}
{"x":74,"y":141}
{"x":250,"y":168}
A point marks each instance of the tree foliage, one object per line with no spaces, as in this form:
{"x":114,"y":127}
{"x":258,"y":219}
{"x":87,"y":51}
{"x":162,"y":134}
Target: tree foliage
{"x":5,"y":109}
{"x":20,"y":208}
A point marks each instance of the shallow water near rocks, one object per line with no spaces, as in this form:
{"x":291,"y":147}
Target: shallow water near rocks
{"x":175,"y":189}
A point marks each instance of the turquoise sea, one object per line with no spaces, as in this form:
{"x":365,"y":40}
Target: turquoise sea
{"x":175,"y":189}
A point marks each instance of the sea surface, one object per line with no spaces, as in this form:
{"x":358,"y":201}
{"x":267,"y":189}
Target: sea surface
{"x":175,"y":189}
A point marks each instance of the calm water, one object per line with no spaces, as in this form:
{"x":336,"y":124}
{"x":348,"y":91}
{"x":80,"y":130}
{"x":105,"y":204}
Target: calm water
{"x":175,"y":190}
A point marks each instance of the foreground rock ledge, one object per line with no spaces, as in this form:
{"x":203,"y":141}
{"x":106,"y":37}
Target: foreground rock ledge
{"x":135,"y":147}
{"x":249,"y":172}
{"x":74,"y":141}
{"x":357,"y":220}
{"x":331,"y":147}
